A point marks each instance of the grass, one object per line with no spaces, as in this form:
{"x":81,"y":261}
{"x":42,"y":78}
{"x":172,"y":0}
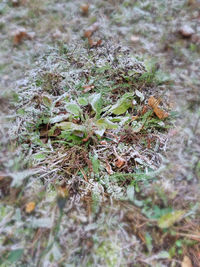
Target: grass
{"x":108,"y":171}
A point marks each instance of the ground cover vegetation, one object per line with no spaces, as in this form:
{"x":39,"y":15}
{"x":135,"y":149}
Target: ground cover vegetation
{"x":100,"y":133}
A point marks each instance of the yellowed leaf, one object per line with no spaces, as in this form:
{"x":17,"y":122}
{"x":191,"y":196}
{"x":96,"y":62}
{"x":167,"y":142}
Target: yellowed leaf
{"x":119,"y":162}
{"x":186,"y":262}
{"x":108,"y":168}
{"x":161,"y":114}
{"x":103,"y":142}
{"x":153,"y":102}
{"x":21,"y":34}
{"x":30,"y":206}
{"x":88,"y":33}
{"x":135,"y":38}
{"x":85,"y":9}
{"x":94,"y":43}
{"x":88,"y":88}
{"x":62,"y":191}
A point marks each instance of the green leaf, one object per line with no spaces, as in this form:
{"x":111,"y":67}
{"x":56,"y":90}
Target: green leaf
{"x":96,"y":103}
{"x":105,"y":123}
{"x":46,"y":101}
{"x":121,"y":120}
{"x":59,"y":118}
{"x":140,"y":95}
{"x":122,"y":105}
{"x":74,"y":108}
{"x":169,"y":219}
{"x":100,"y":132}
{"x":130,"y":191}
{"x":39,"y":156}
{"x":70,"y":126}
{"x":42,"y":223}
{"x":83,"y":101}
{"x":95,"y":164}
{"x":148,"y":240}
{"x":15,"y":255}
{"x":21,"y":111}
{"x":162,"y":255}
{"x":19,"y":177}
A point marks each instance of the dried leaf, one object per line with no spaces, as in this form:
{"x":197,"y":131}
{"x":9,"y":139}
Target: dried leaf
{"x":94,"y":43}
{"x":144,"y":110}
{"x":186,"y":262}
{"x":62,"y":194}
{"x":30,"y":206}
{"x":21,"y":34}
{"x":89,"y":32}
{"x":133,"y":118}
{"x":153,"y":102}
{"x":88,"y":88}
{"x":135,"y":38}
{"x":85,"y":9}
{"x":186,"y":31}
{"x":108,"y":168}
{"x":104,"y":143}
{"x":15,"y":3}
{"x":161,"y":114}
{"x":62,"y":191}
{"x":119,"y":161}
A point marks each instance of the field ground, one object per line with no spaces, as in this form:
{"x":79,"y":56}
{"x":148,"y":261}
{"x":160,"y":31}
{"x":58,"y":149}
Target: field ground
{"x":100,"y":133}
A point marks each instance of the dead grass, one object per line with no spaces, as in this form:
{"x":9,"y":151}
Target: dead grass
{"x":81,"y":196}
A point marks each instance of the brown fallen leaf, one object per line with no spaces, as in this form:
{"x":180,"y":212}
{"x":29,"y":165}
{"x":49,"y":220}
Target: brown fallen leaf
{"x":134,"y":118}
{"x":161,"y":114}
{"x":21,"y":34}
{"x":119,"y":162}
{"x":15,"y":3}
{"x":104,"y":143}
{"x":62,"y":194}
{"x":88,"y":33}
{"x":186,"y":262}
{"x":135,"y":39}
{"x":85,"y":9}
{"x":144,"y":110}
{"x":94,"y":43}
{"x":62,"y":191}
{"x":88,"y":88}
{"x":153,"y":103}
{"x":191,"y":2}
{"x":57,"y":34}
{"x":196,"y":39}
{"x":186,"y":31}
{"x":108,"y":168}
{"x":30,"y":206}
